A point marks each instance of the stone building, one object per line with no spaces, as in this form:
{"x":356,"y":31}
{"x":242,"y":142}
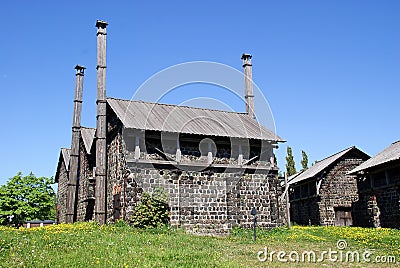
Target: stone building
{"x":378,"y":183}
{"x":214,"y":166}
{"x":61,"y":178}
{"x":324,"y":193}
{"x":85,"y":205}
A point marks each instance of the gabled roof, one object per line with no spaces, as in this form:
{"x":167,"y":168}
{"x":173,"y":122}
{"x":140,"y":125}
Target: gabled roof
{"x":290,"y":178}
{"x":66,"y":152}
{"x":320,"y":166}
{"x":391,"y":153}
{"x":184,"y":119}
{"x":63,"y":159}
{"x":88,"y":135}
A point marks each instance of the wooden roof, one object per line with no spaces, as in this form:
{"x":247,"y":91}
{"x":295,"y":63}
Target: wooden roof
{"x":391,"y":153}
{"x":320,"y":166}
{"x":88,"y":135}
{"x":183,"y":119}
{"x":63,"y":160}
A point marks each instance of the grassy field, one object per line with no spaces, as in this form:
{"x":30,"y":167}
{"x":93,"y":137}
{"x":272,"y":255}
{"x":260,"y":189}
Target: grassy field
{"x":89,"y":245}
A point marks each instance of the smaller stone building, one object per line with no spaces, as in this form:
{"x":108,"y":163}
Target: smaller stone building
{"x":61,"y":178}
{"x":324,"y":193}
{"x":378,"y":183}
{"x":87,"y":151}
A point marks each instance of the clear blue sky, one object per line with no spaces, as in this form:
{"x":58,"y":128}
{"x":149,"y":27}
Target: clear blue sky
{"x":329,"y":69}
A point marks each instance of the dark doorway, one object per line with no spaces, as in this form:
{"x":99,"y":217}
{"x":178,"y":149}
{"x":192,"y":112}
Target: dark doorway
{"x":89,"y":210}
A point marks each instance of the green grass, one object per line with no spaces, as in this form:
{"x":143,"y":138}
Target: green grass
{"x":89,"y":245}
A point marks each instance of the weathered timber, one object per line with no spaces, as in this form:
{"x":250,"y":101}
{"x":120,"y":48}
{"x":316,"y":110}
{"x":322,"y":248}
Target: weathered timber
{"x":248,"y":84}
{"x":101,"y":131}
{"x":74,"y":157}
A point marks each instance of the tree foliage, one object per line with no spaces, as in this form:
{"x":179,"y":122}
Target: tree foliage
{"x":304,"y":160}
{"x":27,"y":198}
{"x":152,"y":211}
{"x":290,"y":164}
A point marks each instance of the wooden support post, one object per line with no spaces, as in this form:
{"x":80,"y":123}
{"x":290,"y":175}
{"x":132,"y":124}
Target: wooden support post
{"x":101,"y":131}
{"x":240,"y":156}
{"x":178,"y":156}
{"x":137,"y":147}
{"x":74,"y":160}
{"x":287,"y":201}
{"x":209,"y":154}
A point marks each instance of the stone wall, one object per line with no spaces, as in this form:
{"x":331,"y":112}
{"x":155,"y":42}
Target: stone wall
{"x":362,"y":217}
{"x":116,"y":170}
{"x":62,"y":193}
{"x":379,"y":202}
{"x":338,"y":190}
{"x":85,"y":202}
{"x":208,"y":203}
{"x":388,"y":204}
{"x":305,"y":211}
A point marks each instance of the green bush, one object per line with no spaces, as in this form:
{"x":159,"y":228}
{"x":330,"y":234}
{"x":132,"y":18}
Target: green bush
{"x":153,"y":210}
{"x":121,"y":223}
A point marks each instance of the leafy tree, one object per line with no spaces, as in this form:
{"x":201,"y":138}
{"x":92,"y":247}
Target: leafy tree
{"x":290,"y":164}
{"x":304,"y":160}
{"x":152,"y":211}
{"x":27,"y":198}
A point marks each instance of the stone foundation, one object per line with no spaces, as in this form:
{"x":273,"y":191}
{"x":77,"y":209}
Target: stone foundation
{"x":208,"y":204}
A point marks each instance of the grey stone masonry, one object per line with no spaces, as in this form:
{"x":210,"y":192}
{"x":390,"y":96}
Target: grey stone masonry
{"x":208,"y":201}
{"x":319,"y":200}
{"x":85,"y":210}
{"x":62,"y":193}
{"x":207,"y":204}
{"x":338,"y":190}
{"x":116,"y":170}
{"x":379,"y":202}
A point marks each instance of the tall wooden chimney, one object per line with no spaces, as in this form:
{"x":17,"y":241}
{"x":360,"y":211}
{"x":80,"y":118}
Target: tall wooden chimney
{"x":74,"y":160}
{"x":101,"y":130}
{"x":248,"y":84}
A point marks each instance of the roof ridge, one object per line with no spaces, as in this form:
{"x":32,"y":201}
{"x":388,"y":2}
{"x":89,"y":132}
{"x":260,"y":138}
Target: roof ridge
{"x":321,"y":165}
{"x":351,"y":147}
{"x":136,"y":114}
{"x":296,"y":174}
{"x":384,"y":156}
{"x":175,"y":105}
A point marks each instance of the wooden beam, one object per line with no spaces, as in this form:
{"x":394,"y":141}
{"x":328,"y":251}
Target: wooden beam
{"x":74,"y":159}
{"x":287,"y":201}
{"x":101,"y":130}
{"x":248,"y":85}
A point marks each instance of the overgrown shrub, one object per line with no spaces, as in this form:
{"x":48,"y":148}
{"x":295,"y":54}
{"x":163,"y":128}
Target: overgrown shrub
{"x":121,"y":223}
{"x":153,"y":210}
